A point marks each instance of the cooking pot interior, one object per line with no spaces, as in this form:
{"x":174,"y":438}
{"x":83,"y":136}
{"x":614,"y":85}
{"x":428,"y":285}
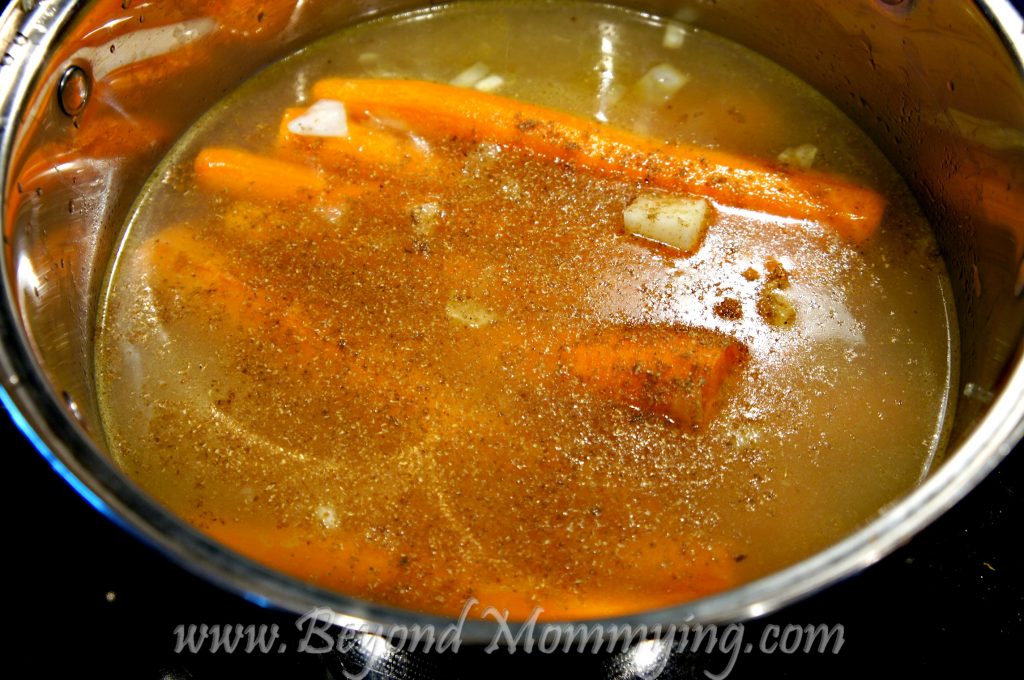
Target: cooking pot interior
{"x":936,"y":84}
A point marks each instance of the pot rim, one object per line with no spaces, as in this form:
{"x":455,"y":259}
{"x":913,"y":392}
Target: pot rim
{"x":27,"y":32}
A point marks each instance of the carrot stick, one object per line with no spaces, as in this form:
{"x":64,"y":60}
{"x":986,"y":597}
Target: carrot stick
{"x":363,"y":147}
{"x":654,"y":573}
{"x":443,"y":111}
{"x":194,"y":270}
{"x":248,"y":175}
{"x":348,"y":563}
{"x":676,"y":372}
{"x":665,"y":573}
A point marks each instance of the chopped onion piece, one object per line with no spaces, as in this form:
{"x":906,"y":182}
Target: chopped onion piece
{"x":747,"y":435}
{"x":327,"y":516}
{"x":325,"y":118}
{"x":677,"y":221}
{"x":799,"y":156}
{"x":425,"y":218}
{"x":674,"y":36}
{"x":469,"y":313}
{"x":471,"y":76}
{"x":490,"y":83}
{"x":660,"y":83}
{"x":335,"y":213}
{"x":775,"y":308}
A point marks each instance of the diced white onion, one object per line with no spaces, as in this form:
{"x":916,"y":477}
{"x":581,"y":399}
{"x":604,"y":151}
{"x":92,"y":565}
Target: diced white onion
{"x":677,"y":221}
{"x":490,"y":83}
{"x":799,"y":156}
{"x":469,"y":313}
{"x":335,"y":213}
{"x":325,"y":118}
{"x":746,"y":435}
{"x":328,"y":518}
{"x":674,"y":36}
{"x":425,"y":218}
{"x":661,"y":82}
{"x":471,"y":76}
{"x":776,"y":309}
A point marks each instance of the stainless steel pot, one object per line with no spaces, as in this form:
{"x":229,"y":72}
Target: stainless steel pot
{"x":938,"y":84}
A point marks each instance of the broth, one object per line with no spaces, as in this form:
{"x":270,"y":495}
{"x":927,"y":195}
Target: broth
{"x":398,"y":389}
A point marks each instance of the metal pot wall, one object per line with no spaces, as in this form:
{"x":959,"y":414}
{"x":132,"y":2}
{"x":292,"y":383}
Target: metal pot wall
{"x":939,"y":85}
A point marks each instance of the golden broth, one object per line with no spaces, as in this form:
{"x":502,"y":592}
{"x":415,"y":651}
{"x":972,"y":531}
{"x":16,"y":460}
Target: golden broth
{"x":373,"y":400}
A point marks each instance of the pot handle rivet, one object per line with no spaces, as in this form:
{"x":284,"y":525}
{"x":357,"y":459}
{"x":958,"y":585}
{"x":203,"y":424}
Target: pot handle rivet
{"x":73,"y":90}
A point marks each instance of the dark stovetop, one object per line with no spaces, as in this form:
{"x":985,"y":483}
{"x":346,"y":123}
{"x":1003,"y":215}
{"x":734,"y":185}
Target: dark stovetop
{"x":89,"y":598}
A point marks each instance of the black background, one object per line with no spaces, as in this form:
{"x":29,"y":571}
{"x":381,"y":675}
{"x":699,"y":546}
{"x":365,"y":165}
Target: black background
{"x":89,"y":598}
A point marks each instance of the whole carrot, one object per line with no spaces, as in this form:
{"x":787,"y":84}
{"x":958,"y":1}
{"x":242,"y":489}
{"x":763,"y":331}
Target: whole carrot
{"x":655,"y":573}
{"x":363,"y":147}
{"x":662,"y":573}
{"x":446,"y":111}
{"x":248,"y":175}
{"x":198,"y":272}
{"x":349,"y":564}
{"x":258,"y":178}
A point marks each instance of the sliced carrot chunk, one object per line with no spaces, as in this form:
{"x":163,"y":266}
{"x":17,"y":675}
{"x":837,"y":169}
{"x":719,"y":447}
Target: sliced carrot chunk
{"x":675,"y":372}
{"x":442,"y":111}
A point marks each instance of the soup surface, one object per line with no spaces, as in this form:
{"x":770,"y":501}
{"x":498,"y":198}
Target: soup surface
{"x":417,"y":359}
